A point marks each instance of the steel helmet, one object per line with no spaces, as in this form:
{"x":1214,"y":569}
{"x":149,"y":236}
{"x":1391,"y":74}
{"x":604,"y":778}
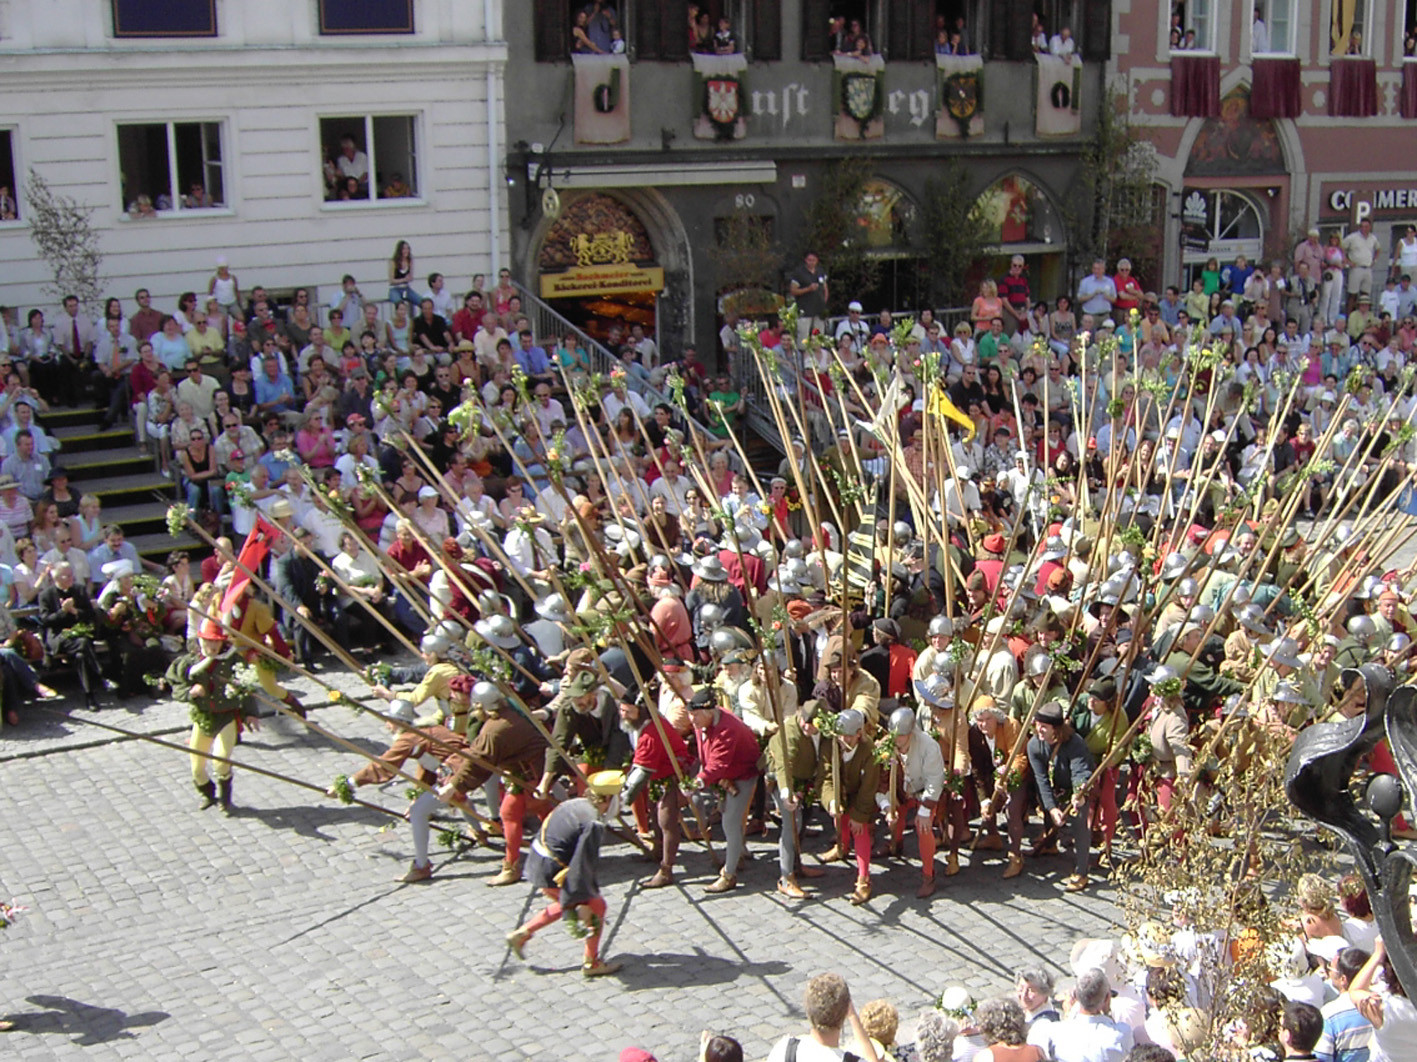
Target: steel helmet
{"x":1343,"y":534}
{"x":1251,"y":617}
{"x":942,"y":664}
{"x":401,"y":710}
{"x":850,"y":721}
{"x":1362,"y":628}
{"x":1038,"y":665}
{"x":726,"y":639}
{"x":1240,"y":595}
{"x":1284,"y":651}
{"x":486,"y":696}
{"x":902,"y":722}
{"x":499,"y":630}
{"x":794,"y":549}
{"x":941,"y":625}
{"x":903,"y":532}
{"x":553,"y":607}
{"x":435,"y":643}
{"x":797,"y":568}
{"x":1398,"y":643}
{"x":1203,"y":615}
{"x":1174,"y":565}
{"x":1188,"y":587}
{"x":711,"y":616}
{"x":659,"y":560}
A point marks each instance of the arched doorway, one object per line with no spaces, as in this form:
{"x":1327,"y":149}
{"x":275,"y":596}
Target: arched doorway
{"x":885,"y":219}
{"x":1221,"y":224}
{"x":1020,"y":219}
{"x":597,"y":268}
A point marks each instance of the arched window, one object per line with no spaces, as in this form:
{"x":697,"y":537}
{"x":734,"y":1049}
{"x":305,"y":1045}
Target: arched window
{"x":1017,"y":212}
{"x":885,"y":216}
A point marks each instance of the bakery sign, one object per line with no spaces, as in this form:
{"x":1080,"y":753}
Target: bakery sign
{"x":616,"y":278}
{"x":1369,"y":201}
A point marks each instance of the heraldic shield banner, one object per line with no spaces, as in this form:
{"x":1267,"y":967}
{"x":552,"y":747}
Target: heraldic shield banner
{"x":860,"y":97}
{"x":1059,"y":108}
{"x":720,"y":96}
{"x":960,"y":94}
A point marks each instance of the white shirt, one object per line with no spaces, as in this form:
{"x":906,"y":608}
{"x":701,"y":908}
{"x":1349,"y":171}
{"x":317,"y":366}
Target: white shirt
{"x":612,"y":405}
{"x":325,"y":529}
{"x":1259,"y":37}
{"x":1088,"y":1038}
{"x":1063,"y":49}
{"x":808,"y":1050}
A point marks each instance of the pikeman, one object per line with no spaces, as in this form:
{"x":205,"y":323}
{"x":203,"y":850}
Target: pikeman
{"x":217,"y":704}
{"x":431,"y":747}
{"x":507,"y":743}
{"x":564,"y":859}
{"x":253,"y":619}
{"x":949,"y":732}
{"x":655,"y":743}
{"x":850,"y":779}
{"x":914,"y":780}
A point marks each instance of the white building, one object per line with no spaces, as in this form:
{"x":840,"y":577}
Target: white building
{"x":122,"y":103}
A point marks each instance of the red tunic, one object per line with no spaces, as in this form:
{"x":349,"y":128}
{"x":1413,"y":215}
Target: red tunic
{"x":650,"y":752}
{"x":728,"y":750}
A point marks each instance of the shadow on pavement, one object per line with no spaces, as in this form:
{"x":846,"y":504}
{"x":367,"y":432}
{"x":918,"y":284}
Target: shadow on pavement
{"x":306,"y":820}
{"x":88,"y":1025}
{"x":697,"y":970}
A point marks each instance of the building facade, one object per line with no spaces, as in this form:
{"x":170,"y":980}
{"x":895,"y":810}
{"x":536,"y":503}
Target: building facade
{"x":1273,"y":116}
{"x":631,"y":158}
{"x":298,"y":138}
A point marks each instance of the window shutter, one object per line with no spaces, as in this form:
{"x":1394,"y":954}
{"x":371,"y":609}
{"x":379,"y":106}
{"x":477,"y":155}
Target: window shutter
{"x":1097,"y":30}
{"x":673,"y":29}
{"x":767,"y":29}
{"x":815,"y":14}
{"x":908,"y":23}
{"x":649,"y":27}
{"x":551,"y":30}
{"x":1009,"y":25}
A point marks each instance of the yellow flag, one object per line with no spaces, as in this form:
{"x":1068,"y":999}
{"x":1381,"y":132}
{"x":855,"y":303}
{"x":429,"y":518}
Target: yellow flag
{"x":941,"y":406}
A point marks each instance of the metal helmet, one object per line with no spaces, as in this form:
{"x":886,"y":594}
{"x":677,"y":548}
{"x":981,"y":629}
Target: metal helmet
{"x":489,"y":602}
{"x":499,"y":630}
{"x":1369,"y":588}
{"x":1343,"y":534}
{"x":659,"y":560}
{"x":850,"y":721}
{"x":936,"y":691}
{"x":1038,"y":665}
{"x":554,"y":607}
{"x":1234,"y":703}
{"x":1251,"y":617}
{"x":902,"y":722}
{"x":726,"y":639}
{"x":941,"y":625}
{"x":903,"y":532}
{"x":1398,"y":643}
{"x":1362,"y":628}
{"x":942,"y":665}
{"x":1174,"y":565}
{"x":1284,"y":651}
{"x":794,"y":549}
{"x":1202,"y":615}
{"x":486,"y":696}
{"x":711,"y":616}
{"x":797,"y":568}
{"x":1240,"y":595}
{"x":435,"y":644}
{"x":1188,"y":587}
{"x":401,"y":710}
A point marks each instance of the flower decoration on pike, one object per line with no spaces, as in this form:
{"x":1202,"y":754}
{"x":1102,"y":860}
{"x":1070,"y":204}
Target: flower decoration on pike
{"x":9,"y":912}
{"x":343,"y":789}
{"x":177,"y":517}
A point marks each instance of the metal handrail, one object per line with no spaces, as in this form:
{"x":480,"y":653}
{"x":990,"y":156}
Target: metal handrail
{"x":546,"y":322}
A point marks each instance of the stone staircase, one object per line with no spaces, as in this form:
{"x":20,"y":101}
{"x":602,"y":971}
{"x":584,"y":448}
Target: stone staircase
{"x":109,"y":464}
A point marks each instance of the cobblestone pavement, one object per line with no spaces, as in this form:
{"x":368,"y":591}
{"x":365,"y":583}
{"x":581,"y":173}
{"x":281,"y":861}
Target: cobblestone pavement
{"x":156,"y":931}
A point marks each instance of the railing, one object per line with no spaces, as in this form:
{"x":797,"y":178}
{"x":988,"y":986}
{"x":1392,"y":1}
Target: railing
{"x":547,"y":324}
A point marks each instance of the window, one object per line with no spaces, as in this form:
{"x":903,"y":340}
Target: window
{"x":1272,"y":28}
{"x":369,"y":157}
{"x":1409,"y":23}
{"x":171,"y":166}
{"x":1348,"y":27}
{"x":339,"y":17}
{"x":840,"y":27}
{"x":9,"y":191}
{"x":168,"y":18}
{"x":1195,"y":22}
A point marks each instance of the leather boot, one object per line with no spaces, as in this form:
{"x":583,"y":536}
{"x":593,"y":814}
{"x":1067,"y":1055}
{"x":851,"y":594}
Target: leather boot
{"x":510,"y":875}
{"x":861,"y":893}
{"x":788,"y":887}
{"x":208,"y":791}
{"x":832,"y":854}
{"x":225,"y":786}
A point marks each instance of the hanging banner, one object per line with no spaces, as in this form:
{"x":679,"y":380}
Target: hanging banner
{"x":720,"y":97}
{"x":1059,"y":95}
{"x":602,"y":97}
{"x":960,"y":90}
{"x":859,"y":93}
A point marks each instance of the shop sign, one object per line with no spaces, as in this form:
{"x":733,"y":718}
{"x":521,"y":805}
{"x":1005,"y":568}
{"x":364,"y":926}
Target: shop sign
{"x":613,"y":279}
{"x":1360,"y":203}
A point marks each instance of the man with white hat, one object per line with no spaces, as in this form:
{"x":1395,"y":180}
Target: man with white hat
{"x":564,"y":860}
{"x":206,"y":680}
